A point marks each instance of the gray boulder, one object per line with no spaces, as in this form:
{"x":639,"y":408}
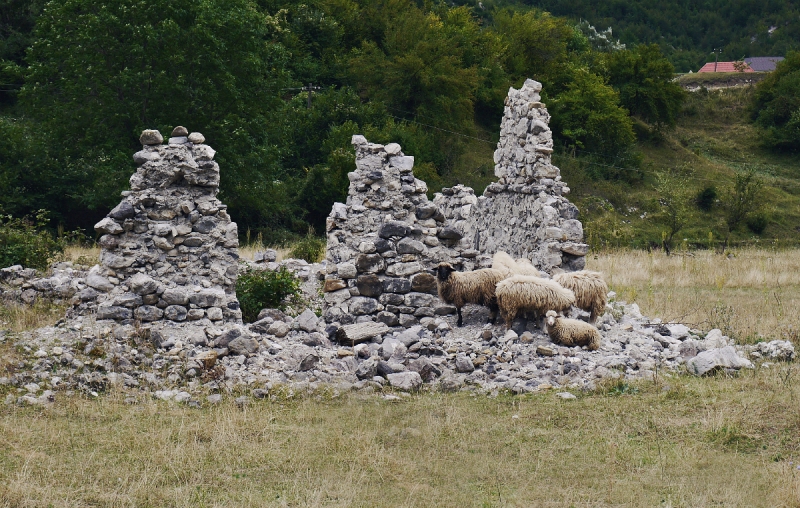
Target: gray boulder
{"x":714,"y":359}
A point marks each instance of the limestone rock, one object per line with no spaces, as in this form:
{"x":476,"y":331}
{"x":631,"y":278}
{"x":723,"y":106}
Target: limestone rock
{"x":713,"y":359}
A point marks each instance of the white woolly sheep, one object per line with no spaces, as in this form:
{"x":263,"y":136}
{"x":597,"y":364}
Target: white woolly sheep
{"x":506,"y":264}
{"x":461,"y":288}
{"x":590,"y":291}
{"x":572,"y":332}
{"x":532,"y":294}
{"x":525,"y":267}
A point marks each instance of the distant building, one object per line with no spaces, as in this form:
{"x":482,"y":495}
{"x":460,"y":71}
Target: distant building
{"x":763,"y":63}
{"x":725,"y":67}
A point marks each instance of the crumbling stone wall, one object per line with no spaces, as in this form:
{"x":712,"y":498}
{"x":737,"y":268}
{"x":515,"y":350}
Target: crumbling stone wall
{"x":524,"y":212}
{"x":169,"y":249}
{"x":387,"y":236}
{"x":384,"y":241}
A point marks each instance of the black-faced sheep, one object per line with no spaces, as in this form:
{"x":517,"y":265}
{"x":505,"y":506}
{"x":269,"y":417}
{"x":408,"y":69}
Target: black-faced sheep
{"x":461,"y":288}
{"x":590,"y":291}
{"x":531,"y":294}
{"x":572,"y":332}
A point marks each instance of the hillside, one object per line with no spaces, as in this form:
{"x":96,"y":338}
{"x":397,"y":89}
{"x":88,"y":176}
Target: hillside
{"x":687,"y":32}
{"x":712,"y":140}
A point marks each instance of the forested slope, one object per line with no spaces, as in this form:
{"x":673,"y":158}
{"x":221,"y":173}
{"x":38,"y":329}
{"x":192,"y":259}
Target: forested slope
{"x":686,"y":31}
{"x":82,"y":79}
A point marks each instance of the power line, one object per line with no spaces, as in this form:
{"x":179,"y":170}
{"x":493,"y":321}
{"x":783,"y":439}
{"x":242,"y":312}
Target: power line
{"x":443,"y":130}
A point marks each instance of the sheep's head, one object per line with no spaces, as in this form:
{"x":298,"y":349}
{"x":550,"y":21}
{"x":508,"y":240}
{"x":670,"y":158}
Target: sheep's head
{"x":551,"y":317}
{"x":443,"y":271}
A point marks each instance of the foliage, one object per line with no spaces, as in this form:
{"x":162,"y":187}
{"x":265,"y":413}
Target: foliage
{"x":310,"y":248}
{"x":92,"y":104}
{"x":23,"y":241}
{"x":776,"y":105}
{"x":757,"y":223}
{"x":706,"y":198}
{"x":587,"y":116}
{"x":688,"y":32}
{"x":740,"y":201}
{"x":643,"y":78}
{"x":265,"y":289}
{"x":674,"y":199}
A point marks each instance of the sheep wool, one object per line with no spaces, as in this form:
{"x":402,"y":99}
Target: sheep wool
{"x":525,"y":267}
{"x":532,"y":294}
{"x":572,"y":332}
{"x":506,"y":264}
{"x":590,"y":290}
{"x":461,"y":288}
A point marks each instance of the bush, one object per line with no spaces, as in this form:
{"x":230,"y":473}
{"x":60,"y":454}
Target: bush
{"x":265,"y":289}
{"x":706,"y":198}
{"x":24,"y":242}
{"x":310,"y":248}
{"x":776,"y":105}
{"x":757,"y":224}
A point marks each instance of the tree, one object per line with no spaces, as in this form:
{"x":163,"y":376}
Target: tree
{"x":776,"y":105}
{"x":101,"y":71}
{"x":587,"y":117}
{"x":419,"y":69}
{"x":644,"y":80}
{"x":674,"y":198}
{"x":740,"y":201}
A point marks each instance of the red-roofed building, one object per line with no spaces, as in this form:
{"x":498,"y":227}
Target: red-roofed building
{"x":725,"y":67}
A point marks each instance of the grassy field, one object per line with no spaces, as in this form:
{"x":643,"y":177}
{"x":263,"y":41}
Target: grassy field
{"x":678,"y":441}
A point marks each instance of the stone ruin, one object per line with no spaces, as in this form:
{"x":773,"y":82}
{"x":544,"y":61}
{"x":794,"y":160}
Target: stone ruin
{"x":159,"y":315}
{"x":169,"y":249}
{"x":524,"y":212}
{"x":384,"y":241}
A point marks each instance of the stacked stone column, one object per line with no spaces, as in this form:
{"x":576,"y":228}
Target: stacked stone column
{"x":169,"y":249}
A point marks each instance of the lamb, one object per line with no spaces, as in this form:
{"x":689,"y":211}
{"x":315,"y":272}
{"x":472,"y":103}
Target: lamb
{"x":534,"y":294}
{"x":460,"y":288}
{"x":572,"y":332}
{"x":506,"y":264}
{"x":590,"y":291}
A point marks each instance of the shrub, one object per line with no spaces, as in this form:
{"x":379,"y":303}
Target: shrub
{"x":24,"y":242}
{"x":706,"y":198}
{"x":757,"y":224}
{"x":310,"y":248}
{"x":265,"y":289}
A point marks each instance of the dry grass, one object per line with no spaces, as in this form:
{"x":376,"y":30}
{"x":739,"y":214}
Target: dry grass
{"x":756,"y":293}
{"x":88,"y":256}
{"x":91,"y":255}
{"x":679,"y":441}
{"x":700,"y":442}
{"x":18,"y":318}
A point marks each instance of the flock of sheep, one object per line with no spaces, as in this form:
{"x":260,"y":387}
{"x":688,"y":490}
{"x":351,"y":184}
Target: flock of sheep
{"x":513,"y":287}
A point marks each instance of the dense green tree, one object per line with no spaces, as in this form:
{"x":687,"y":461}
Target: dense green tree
{"x":537,"y":43}
{"x":688,"y":32}
{"x":644,"y":80}
{"x":587,"y":117}
{"x":100,"y":72}
{"x":17,"y":19}
{"x":776,"y":105}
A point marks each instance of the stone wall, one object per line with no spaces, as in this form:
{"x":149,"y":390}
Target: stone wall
{"x":383,"y":242}
{"x":169,"y":249}
{"x":524,"y":212}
